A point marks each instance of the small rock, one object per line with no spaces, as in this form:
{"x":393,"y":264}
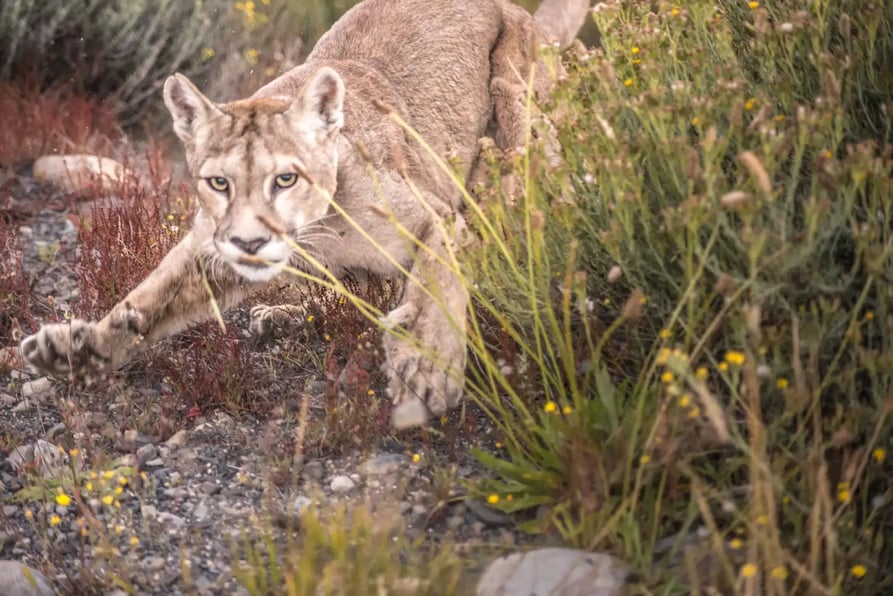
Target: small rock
{"x":455,"y":522}
{"x":313,"y":470}
{"x":37,"y":387}
{"x":6,"y":399}
{"x":145,"y":453}
{"x":201,"y":511}
{"x":134,"y":439}
{"x":149,"y":511}
{"x":155,"y":463}
{"x":301,"y":503}
{"x":551,"y":571}
{"x":419,"y":510}
{"x":488,"y":515}
{"x":23,"y":406}
{"x":176,"y":492}
{"x":154,"y":564}
{"x":209,"y":488}
{"x":342,"y":485}
{"x":42,"y":455}
{"x":170,"y":519}
{"x":9,"y":510}
{"x":18,"y":579}
{"x":178,"y":439}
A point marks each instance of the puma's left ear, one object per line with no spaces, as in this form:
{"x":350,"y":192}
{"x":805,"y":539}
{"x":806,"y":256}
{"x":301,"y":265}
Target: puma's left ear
{"x":188,"y":107}
{"x":323,"y":102}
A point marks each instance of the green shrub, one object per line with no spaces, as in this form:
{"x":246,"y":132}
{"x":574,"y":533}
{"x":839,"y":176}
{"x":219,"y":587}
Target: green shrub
{"x":727,"y":167}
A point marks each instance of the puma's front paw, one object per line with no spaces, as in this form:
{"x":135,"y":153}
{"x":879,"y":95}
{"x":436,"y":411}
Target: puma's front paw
{"x":66,"y":348}
{"x":265,"y":317}
{"x":422,"y":384}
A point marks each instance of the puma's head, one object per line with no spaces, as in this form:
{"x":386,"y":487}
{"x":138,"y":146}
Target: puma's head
{"x":259,"y":160}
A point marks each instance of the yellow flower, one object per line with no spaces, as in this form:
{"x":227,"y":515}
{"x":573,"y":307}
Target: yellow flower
{"x":685,"y":400}
{"x":695,"y":121}
{"x":63,"y":499}
{"x":667,"y":377}
{"x":879,"y":455}
{"x":550,"y":407}
{"x":843,"y":492}
{"x":89,"y":486}
{"x":781,"y":383}
{"x":695,"y":412}
{"x":736,"y":543}
{"x":493,"y":499}
{"x":701,"y":373}
{"x":748,"y":570}
{"x":753,"y":4}
{"x":735,"y":357}
{"x":635,"y":49}
{"x":675,"y":12}
{"x":28,"y":514}
{"x":858,"y":571}
{"x":208,"y":53}
{"x":134,"y":541}
{"x":74,"y":452}
{"x":869,"y":316}
{"x":628,"y":83}
{"x":722,"y":367}
{"x":416,"y":458}
{"x":118,"y":490}
{"x":107,"y":500}
{"x":763,"y":520}
{"x":566,"y":410}
{"x":310,"y":319}
{"x":779,"y":572}
{"x":122,"y":480}
{"x":370,"y":393}
{"x":328,"y":337}
{"x":118,"y":528}
{"x":665,"y":334}
{"x":643,"y":300}
{"x":55,"y":520}
{"x":108,"y":474}
{"x":645,"y":459}
{"x":663,"y":355}
{"x":749,"y":104}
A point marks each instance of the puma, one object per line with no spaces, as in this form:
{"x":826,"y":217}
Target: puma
{"x":290,"y":166}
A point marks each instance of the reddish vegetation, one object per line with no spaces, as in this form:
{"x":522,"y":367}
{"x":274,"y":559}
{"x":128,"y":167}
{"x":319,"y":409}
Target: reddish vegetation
{"x":40,"y":121}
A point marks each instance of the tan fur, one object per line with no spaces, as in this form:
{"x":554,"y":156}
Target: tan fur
{"x":455,"y":70}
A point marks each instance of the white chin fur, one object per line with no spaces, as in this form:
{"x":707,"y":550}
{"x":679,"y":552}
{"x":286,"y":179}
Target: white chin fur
{"x":257,"y":274}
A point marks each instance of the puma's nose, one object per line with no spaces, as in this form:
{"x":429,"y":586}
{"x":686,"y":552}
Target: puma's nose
{"x":249,"y":246}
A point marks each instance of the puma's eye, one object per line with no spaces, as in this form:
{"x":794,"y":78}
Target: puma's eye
{"x":285,"y":180}
{"x":218,"y":183}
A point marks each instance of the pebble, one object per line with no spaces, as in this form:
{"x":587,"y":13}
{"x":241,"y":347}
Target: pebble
{"x":313,"y":470}
{"x":301,"y":503}
{"x":146,"y":453}
{"x":23,"y":406}
{"x":133,"y":439}
{"x":342,"y":484}
{"x":201,"y":511}
{"x":170,"y":519}
{"x":551,"y":571}
{"x":389,"y":463}
{"x":16,"y":579}
{"x":37,"y":387}
{"x":178,"y":439}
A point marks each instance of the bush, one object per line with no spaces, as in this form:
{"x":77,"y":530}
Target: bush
{"x":692,"y":311}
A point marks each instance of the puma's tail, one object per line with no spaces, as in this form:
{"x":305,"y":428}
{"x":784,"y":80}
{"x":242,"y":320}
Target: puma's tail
{"x":562,"y":19}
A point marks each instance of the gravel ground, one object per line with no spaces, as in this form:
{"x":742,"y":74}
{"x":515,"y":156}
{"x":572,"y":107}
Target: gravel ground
{"x":195,"y":482}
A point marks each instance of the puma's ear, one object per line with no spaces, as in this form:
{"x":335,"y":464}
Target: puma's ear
{"x":187,"y":105}
{"x":323,"y":102}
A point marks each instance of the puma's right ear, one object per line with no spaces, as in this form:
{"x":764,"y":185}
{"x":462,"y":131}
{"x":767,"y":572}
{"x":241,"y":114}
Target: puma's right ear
{"x":323,"y":102}
{"x":187,"y":105}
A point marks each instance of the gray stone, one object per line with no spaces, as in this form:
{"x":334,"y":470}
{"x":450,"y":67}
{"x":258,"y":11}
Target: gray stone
{"x":454,"y":522}
{"x":488,"y":515}
{"x":43,"y":456}
{"x":313,"y":470}
{"x":146,"y":453}
{"x":554,"y":572}
{"x":170,"y":519}
{"x":23,"y":406}
{"x":37,"y":387}
{"x":18,"y":579}
{"x":390,"y":463}
{"x":342,"y":485}
{"x":301,"y":504}
{"x":133,"y":439}
{"x":178,"y":439}
{"x":201,"y":511}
